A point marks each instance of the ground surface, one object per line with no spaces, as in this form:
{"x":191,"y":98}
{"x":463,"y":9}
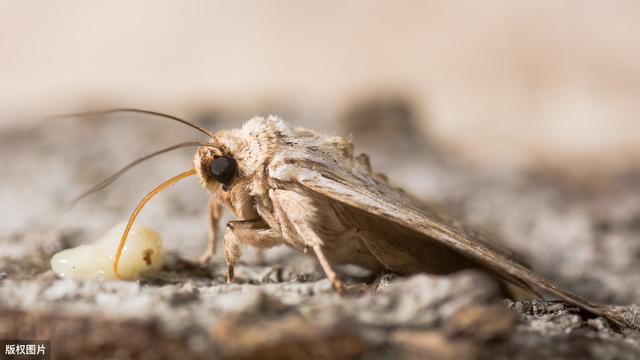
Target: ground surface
{"x":583,"y":232}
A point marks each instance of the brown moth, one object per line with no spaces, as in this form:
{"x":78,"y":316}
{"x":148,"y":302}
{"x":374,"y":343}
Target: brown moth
{"x":308,"y":191}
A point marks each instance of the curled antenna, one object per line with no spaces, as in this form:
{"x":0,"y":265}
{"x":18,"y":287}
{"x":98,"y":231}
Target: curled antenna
{"x":134,"y":214}
{"x":106,"y":182}
{"x":140,"y":111}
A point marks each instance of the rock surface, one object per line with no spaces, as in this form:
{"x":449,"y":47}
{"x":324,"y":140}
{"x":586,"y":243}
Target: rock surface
{"x":583,"y":234}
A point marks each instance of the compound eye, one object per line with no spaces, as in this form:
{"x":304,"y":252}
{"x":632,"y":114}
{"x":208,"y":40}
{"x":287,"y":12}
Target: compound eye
{"x":223,"y":168}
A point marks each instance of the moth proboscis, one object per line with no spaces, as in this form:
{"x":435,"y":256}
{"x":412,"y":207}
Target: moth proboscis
{"x":307,"y":190}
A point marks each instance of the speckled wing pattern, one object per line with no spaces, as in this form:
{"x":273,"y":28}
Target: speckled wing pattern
{"x":335,"y":174}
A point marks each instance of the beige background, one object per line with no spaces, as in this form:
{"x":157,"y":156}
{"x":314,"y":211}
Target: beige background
{"x":500,"y":80}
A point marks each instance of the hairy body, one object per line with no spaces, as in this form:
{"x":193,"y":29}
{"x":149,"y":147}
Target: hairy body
{"x":269,"y":207}
{"x":307,"y":190}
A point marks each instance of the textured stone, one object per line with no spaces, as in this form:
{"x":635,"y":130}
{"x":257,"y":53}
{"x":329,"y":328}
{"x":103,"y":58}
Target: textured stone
{"x":581,"y":233}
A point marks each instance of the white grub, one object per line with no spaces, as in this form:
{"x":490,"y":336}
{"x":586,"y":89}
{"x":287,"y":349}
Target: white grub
{"x":142,"y":254}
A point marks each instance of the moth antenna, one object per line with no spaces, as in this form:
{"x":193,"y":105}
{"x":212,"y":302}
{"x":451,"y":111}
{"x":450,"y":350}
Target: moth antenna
{"x":113,"y":177}
{"x":131,"y":110}
{"x":139,"y":207}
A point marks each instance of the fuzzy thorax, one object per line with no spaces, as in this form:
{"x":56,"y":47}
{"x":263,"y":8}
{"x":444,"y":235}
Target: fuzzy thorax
{"x":252,"y":147}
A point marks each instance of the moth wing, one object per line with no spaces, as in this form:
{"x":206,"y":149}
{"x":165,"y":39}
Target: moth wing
{"x":354,"y":187}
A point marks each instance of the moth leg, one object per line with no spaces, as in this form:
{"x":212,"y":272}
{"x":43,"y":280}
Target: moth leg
{"x":297,"y":210}
{"x":326,"y":267}
{"x":254,"y":233}
{"x":214,"y":217}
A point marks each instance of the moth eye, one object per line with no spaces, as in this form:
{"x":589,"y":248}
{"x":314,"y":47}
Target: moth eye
{"x":223,"y":168}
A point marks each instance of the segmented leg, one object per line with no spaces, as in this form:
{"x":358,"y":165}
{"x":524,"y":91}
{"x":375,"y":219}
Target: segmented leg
{"x":214,"y":217}
{"x":297,"y":210}
{"x":326,"y":267}
{"x":254,"y":233}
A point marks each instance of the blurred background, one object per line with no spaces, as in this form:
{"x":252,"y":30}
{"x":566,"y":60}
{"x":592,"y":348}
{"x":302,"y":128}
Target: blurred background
{"x":521,"y":118}
{"x":501,"y":81}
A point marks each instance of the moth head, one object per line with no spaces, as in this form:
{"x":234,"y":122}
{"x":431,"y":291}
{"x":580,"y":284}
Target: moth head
{"x":216,"y":167}
{"x":233,"y":158}
{"x":218,"y":163}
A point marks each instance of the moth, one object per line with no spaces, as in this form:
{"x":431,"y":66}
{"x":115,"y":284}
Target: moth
{"x":309,"y":191}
